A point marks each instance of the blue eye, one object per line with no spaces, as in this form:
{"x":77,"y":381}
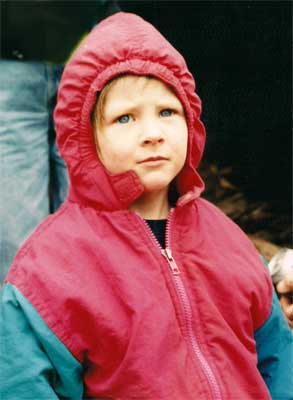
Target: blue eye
{"x":166,"y":113}
{"x":124,"y":119}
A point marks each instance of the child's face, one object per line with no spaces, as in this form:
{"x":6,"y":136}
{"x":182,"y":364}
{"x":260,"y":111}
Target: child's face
{"x":144,"y":130}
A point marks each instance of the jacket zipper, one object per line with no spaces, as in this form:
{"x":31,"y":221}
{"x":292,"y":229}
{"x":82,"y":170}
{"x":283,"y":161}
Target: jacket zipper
{"x":182,"y":294}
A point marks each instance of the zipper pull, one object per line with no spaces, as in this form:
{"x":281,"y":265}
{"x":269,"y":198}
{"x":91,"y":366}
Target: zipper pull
{"x":172,"y":263}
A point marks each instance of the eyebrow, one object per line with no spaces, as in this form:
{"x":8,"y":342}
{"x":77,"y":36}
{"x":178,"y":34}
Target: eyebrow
{"x":117,"y":110}
{"x":127,"y":107}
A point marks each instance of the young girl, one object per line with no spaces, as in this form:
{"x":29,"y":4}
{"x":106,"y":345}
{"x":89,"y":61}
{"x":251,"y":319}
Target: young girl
{"x":137,"y":288}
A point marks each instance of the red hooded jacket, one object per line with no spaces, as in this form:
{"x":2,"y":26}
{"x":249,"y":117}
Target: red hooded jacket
{"x":144,"y":323}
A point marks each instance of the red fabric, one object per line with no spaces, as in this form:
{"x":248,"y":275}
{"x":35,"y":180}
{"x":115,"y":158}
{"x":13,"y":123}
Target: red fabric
{"x":99,"y":281}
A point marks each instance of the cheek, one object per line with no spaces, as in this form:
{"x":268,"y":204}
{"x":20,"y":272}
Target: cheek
{"x":180,"y":144}
{"x":185,"y":142}
{"x":115,"y":155}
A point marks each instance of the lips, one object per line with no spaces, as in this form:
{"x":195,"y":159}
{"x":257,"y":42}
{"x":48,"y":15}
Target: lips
{"x":153,"y":159}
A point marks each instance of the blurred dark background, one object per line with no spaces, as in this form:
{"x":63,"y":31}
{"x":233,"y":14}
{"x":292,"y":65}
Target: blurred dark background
{"x":240,"y":53}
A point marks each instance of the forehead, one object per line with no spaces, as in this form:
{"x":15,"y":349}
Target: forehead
{"x":131,"y":88}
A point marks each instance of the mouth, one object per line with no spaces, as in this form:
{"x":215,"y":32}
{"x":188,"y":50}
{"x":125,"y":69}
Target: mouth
{"x":157,"y":159}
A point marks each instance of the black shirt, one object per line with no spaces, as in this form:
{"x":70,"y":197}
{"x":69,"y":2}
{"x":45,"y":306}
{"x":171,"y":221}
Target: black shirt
{"x":158,"y":227}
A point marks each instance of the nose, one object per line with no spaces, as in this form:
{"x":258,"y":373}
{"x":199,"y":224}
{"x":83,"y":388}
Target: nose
{"x":153,"y":139}
{"x":152,"y":134}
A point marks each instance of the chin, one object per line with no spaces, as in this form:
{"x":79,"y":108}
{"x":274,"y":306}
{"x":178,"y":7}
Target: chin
{"x":157,"y":185}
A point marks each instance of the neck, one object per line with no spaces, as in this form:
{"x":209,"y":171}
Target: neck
{"x":152,"y":205}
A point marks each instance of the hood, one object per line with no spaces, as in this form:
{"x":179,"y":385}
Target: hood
{"x":122,"y":43}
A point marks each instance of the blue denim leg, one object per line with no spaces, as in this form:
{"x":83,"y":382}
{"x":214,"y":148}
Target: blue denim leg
{"x":27,"y":93}
{"x":58,"y":172}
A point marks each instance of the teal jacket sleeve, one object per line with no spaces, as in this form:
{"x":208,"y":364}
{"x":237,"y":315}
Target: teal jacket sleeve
{"x":35,"y":364}
{"x":274,"y":345}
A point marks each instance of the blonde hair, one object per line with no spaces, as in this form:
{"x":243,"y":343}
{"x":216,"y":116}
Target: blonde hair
{"x":97,"y":116}
{"x":98,"y":110}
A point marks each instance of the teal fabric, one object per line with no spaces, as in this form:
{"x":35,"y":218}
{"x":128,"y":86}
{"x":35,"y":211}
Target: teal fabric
{"x":274,"y":345}
{"x":35,"y":364}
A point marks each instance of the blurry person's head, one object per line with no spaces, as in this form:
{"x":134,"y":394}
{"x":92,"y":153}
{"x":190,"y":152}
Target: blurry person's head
{"x":139,"y":125}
